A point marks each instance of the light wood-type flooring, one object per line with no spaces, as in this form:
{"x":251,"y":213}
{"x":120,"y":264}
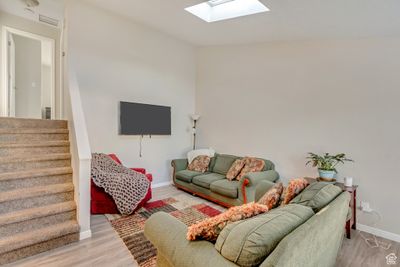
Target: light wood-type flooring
{"x":105,"y":248}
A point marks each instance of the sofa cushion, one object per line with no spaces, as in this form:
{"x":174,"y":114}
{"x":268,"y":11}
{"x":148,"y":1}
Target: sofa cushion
{"x":212,"y":163}
{"x":317,"y":195}
{"x":207,"y":179}
{"x":226,"y":188}
{"x":223,"y":163}
{"x":249,"y":242}
{"x":186,"y":175}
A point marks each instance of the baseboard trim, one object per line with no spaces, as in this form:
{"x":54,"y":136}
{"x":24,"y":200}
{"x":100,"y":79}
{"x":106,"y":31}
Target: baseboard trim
{"x":161,"y":184}
{"x":85,"y":234}
{"x":378,"y":232}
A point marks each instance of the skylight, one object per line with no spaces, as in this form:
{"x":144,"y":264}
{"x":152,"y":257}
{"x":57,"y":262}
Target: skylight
{"x":216,"y":10}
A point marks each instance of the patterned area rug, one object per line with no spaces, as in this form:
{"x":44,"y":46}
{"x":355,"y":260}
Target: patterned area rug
{"x":130,"y":228}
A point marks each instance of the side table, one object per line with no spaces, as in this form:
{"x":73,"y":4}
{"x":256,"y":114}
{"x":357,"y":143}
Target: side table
{"x":352,"y":222}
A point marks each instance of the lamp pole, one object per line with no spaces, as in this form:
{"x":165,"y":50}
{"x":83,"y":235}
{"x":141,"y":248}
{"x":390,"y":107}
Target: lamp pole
{"x":194,"y":134}
{"x":195,"y":118}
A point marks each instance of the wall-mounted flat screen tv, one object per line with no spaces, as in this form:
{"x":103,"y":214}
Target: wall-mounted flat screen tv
{"x":144,"y":119}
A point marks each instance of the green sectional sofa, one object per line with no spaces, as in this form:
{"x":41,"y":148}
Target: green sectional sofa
{"x":307,"y":232}
{"x":213,"y":184}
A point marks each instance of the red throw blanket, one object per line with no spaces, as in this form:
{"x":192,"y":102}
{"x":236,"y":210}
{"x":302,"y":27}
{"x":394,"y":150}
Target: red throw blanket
{"x":127,"y":187}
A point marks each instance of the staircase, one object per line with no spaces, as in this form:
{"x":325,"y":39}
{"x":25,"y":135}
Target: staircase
{"x":37,"y":208}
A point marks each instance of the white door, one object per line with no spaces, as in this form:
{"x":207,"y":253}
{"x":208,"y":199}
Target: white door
{"x":11,"y":75}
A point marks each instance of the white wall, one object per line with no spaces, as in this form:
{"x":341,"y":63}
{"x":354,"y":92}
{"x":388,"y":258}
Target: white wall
{"x":118,"y":60}
{"x":282,"y":100}
{"x":28,"y":64}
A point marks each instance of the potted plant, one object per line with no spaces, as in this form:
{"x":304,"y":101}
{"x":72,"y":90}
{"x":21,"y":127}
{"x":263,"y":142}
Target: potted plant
{"x":326,"y":164}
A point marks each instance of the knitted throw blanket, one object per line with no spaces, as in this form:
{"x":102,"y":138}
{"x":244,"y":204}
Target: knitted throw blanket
{"x":127,"y":187}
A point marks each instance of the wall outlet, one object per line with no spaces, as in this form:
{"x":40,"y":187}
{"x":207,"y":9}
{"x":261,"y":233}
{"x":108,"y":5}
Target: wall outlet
{"x":365,"y":206}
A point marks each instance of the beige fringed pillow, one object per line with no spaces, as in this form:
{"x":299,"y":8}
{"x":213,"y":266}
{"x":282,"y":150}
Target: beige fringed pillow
{"x":294,"y":188}
{"x":235,"y":169}
{"x":210,"y":228}
{"x":199,"y":164}
{"x":251,"y":165}
{"x":272,"y":197}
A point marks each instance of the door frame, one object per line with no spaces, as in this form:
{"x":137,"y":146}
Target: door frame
{"x":4,"y":90}
{"x":11,"y":71}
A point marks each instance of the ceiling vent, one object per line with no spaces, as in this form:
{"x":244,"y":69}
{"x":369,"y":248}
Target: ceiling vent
{"x":48,"y":20}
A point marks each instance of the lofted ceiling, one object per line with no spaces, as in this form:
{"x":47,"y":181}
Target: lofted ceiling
{"x":288,"y":20}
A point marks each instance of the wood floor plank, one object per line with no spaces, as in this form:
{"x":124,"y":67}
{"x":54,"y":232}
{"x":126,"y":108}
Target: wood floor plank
{"x":106,"y":249}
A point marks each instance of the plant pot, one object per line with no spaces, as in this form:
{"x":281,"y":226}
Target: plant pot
{"x":327,"y":175}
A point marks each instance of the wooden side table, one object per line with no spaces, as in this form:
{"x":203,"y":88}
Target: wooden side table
{"x":352,"y":223}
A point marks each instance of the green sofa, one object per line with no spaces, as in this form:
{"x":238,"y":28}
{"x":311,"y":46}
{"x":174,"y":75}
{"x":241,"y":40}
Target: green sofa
{"x":214,"y":186}
{"x":308,"y":232}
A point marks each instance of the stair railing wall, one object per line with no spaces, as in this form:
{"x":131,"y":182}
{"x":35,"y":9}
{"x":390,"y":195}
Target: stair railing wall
{"x":80,"y":150}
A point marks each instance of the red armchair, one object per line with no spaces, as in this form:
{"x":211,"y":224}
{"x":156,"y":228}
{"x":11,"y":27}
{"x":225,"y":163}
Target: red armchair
{"x":102,"y":203}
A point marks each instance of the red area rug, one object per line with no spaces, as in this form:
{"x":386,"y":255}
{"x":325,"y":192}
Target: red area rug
{"x":130,"y":228}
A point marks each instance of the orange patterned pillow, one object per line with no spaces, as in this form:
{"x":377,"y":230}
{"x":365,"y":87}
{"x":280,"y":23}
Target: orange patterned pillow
{"x":251,"y":165}
{"x":272,"y":197}
{"x":199,"y":164}
{"x":210,"y":228}
{"x":294,"y":188}
{"x":235,"y":169}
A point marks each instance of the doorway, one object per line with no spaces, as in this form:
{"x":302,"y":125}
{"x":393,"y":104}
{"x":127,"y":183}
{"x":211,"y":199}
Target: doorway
{"x":28,"y":89}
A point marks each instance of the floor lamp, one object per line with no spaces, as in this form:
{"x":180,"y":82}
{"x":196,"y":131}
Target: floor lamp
{"x":195,"y":118}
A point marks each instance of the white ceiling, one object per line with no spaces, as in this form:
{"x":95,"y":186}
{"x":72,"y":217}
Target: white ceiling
{"x":50,"y":8}
{"x":287,"y":20}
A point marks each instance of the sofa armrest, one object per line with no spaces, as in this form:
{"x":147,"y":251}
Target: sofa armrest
{"x":168,"y":235}
{"x":249,"y":182}
{"x":262,"y":188}
{"x":179,"y":164}
{"x":255,"y":177}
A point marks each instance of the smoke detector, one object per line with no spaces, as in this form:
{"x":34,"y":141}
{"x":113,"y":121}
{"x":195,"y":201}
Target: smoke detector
{"x":31,"y":3}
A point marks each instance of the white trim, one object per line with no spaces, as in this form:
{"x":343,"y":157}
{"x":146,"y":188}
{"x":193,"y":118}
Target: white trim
{"x":85,"y":234}
{"x":4,"y":67}
{"x":378,"y":232}
{"x":4,"y":88}
{"x":161,"y":184}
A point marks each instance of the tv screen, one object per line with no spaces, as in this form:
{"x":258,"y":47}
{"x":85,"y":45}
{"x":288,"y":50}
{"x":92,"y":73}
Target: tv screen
{"x":144,"y":119}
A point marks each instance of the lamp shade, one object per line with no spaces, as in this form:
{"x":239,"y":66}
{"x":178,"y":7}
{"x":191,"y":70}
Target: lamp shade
{"x":195,"y":117}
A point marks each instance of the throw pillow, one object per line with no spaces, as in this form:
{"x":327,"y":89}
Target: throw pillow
{"x":251,"y":165}
{"x":199,"y":164}
{"x":294,"y":188}
{"x":272,"y":197}
{"x":191,"y":155}
{"x":210,"y":228}
{"x":235,"y":169}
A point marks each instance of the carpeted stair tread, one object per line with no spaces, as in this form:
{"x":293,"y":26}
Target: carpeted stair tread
{"x":33,"y":213}
{"x":48,"y":157}
{"x":32,"y":131}
{"x":36,"y":144}
{"x":8,"y":122}
{"x":42,"y":235}
{"x":35,"y":192}
{"x":34,"y":173}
